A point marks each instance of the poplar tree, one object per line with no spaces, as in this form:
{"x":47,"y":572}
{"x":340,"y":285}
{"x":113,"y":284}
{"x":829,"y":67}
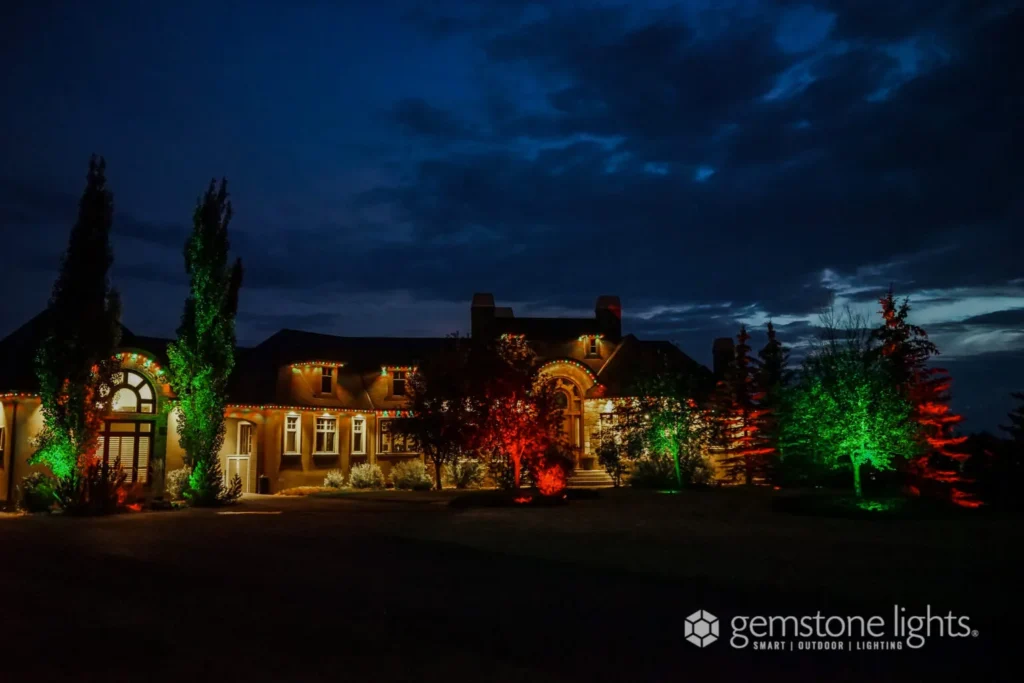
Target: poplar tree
{"x":202,"y":358}
{"x":773,"y":378}
{"x":742,"y":419}
{"x":75,"y":359}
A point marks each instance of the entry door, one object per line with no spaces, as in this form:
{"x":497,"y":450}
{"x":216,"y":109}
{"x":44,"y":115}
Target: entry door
{"x":238,"y":464}
{"x":128,"y":443}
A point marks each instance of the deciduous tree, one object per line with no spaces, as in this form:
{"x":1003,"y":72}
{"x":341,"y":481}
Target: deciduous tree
{"x":203,"y":356}
{"x":75,"y":359}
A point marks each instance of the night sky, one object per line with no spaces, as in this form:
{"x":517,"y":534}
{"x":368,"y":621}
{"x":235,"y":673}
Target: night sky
{"x":711,"y":162}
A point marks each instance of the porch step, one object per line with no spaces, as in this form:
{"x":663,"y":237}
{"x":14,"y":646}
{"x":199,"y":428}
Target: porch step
{"x":590,"y":479}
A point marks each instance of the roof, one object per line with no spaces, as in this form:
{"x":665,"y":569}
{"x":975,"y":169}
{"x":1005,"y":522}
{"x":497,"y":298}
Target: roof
{"x":18,"y":352}
{"x":544,"y":329}
{"x":255,"y":376}
{"x":635,"y":360}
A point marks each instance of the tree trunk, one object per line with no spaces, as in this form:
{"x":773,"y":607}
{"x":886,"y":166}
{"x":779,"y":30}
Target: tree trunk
{"x":856,"y":478}
{"x":515,"y":469}
{"x":437,"y":472}
{"x":679,"y":472}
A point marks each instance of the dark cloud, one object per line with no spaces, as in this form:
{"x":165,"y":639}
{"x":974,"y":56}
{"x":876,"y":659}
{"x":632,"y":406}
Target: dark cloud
{"x":420,"y":118}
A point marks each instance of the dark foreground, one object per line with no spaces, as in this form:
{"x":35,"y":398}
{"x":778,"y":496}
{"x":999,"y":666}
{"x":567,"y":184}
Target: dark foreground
{"x":404,"y":588}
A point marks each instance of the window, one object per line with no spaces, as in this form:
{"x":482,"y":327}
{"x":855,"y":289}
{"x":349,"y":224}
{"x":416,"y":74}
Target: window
{"x":244,"y":445}
{"x":395,"y":437}
{"x":326,"y":431}
{"x":592,"y":346}
{"x":398,"y":382}
{"x":291,"y":435}
{"x":326,"y":379}
{"x":127,"y":443}
{"x":358,"y":435}
{"x":132,"y":393}
{"x":3,"y":436}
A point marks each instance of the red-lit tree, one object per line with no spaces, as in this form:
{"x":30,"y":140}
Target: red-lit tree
{"x":905,"y":351}
{"x":741,"y":417}
{"x":773,"y":377}
{"x":519,"y":414}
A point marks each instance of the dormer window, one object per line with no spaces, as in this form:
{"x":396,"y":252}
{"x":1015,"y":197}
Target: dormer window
{"x":592,"y":346}
{"x":398,"y":382}
{"x":326,"y":379}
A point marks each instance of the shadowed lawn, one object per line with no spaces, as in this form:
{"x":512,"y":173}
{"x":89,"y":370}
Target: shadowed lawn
{"x":380,"y":586}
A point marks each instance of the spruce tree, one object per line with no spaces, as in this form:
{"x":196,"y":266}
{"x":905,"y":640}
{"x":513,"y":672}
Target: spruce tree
{"x":743,"y":419}
{"x":202,"y":358}
{"x":1016,"y":427}
{"x":905,"y":351}
{"x":75,"y":359}
{"x":773,"y":378}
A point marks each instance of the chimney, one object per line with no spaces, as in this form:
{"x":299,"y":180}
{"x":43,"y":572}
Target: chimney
{"x":608,"y":312}
{"x":724,"y":355}
{"x":481,"y":315}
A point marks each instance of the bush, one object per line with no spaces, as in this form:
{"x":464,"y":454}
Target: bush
{"x":232,"y":492}
{"x":411,"y":475}
{"x":335,"y":479}
{"x":37,"y":492}
{"x":366,"y":476}
{"x":653,"y":473}
{"x":551,"y":472}
{"x":464,"y":473}
{"x":96,"y":490}
{"x":609,"y":454}
{"x":177,"y":480}
{"x":501,"y":472}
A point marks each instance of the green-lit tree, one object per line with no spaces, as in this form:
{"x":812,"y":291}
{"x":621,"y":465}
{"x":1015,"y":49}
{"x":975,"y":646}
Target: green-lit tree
{"x":203,"y":356}
{"x":75,"y":359}
{"x":845,"y":411}
{"x":662,"y":421}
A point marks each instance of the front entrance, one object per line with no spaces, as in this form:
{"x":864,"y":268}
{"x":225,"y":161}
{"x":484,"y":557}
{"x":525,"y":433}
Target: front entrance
{"x":237,"y":465}
{"x":129,"y":442}
{"x":569,"y":399}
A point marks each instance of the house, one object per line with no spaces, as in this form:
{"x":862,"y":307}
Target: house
{"x":303,"y":403}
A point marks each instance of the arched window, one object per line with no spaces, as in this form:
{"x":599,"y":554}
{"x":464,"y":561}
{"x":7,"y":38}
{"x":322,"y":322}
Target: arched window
{"x":132,"y":393}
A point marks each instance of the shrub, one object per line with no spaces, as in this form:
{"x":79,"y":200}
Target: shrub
{"x":366,"y":476}
{"x":610,"y":456}
{"x":335,"y":479}
{"x":231,"y":492}
{"x":464,"y":473}
{"x":411,"y":475}
{"x":653,"y":473}
{"x":37,"y":492}
{"x":96,"y":490}
{"x":551,"y":472}
{"x":177,"y":480}
{"x":501,"y":472}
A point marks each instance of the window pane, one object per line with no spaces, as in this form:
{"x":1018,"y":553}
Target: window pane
{"x":121,"y":426}
{"x":146,"y":392}
{"x":125,"y":401}
{"x":357,"y":442}
{"x":134,"y":379}
{"x":291,"y":444}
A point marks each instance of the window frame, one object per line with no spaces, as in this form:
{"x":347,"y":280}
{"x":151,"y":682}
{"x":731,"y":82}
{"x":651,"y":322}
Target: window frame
{"x":317,"y":432}
{"x":362,"y":433}
{"x":326,"y":372}
{"x":3,"y":442}
{"x":140,"y":402}
{"x":238,"y":437}
{"x":388,"y":422}
{"x":298,"y":435}
{"x":404,"y":380}
{"x":592,"y":348}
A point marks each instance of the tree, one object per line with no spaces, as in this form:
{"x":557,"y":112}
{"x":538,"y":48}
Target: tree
{"x":519,"y":414}
{"x":773,"y":377}
{"x":844,"y":411}
{"x":742,"y":418}
{"x":443,"y":406}
{"x":905,"y":351}
{"x":1016,"y":427}
{"x":662,"y":420}
{"x":75,"y":360}
{"x":203,"y":356}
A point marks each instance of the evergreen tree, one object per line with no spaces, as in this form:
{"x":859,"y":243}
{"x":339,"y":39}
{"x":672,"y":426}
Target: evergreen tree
{"x":1016,"y":427}
{"x":773,"y":377}
{"x":742,"y":418}
{"x":202,"y":358}
{"x":905,"y":351}
{"x":75,"y":359}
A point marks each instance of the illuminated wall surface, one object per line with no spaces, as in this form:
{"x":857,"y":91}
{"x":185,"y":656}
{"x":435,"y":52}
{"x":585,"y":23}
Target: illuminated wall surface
{"x":289,"y":392}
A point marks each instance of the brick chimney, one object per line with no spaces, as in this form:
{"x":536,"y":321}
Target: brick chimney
{"x":608,"y":311}
{"x":481,"y":315}
{"x":723,"y":353}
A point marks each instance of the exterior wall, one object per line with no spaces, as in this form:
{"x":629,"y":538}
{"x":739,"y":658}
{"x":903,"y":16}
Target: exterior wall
{"x":22,"y":429}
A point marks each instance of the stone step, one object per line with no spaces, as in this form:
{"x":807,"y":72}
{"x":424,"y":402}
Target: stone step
{"x":590,"y":479}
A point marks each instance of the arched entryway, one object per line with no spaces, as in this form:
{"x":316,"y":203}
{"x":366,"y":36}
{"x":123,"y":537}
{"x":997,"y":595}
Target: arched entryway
{"x":569,"y":398}
{"x":128,"y":430}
